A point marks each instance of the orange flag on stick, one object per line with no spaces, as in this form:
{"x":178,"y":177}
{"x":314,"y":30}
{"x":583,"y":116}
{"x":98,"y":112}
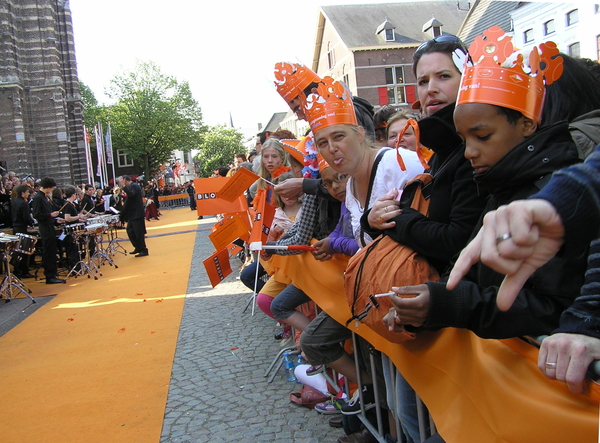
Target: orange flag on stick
{"x":263,"y":217}
{"x":207,"y":201}
{"x":227,"y":230}
{"x":217,"y":266}
{"x":237,"y":184}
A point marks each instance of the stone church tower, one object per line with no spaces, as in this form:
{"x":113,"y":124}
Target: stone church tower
{"x":41,"y":113}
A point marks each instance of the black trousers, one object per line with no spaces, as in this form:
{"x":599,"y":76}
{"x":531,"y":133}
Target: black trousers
{"x":136,"y":231}
{"x":49,"y":254}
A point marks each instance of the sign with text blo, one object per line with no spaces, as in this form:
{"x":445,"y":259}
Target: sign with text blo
{"x":209,"y":203}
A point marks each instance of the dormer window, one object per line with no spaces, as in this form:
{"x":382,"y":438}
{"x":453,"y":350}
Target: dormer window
{"x":386,"y":31}
{"x":433,"y":27}
{"x":389,"y":35}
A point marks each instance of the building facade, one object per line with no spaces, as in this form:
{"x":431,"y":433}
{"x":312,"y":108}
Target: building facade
{"x":41,"y":112}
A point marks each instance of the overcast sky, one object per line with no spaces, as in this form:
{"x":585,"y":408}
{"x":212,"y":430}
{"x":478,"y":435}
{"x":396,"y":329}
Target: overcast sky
{"x":226,"y":50}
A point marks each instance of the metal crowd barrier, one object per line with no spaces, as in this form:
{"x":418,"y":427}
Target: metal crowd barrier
{"x":174,"y":201}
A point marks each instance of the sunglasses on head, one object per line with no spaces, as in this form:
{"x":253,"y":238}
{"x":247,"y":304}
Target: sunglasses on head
{"x":444,"y":38}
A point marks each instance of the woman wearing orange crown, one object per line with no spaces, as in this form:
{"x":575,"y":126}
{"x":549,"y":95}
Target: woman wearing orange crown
{"x":373,"y":173}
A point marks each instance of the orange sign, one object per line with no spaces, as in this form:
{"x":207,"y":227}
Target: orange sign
{"x":263,"y":218}
{"x":217,"y":267}
{"x":207,"y":201}
{"x":237,"y":184}
{"x":227,"y":230}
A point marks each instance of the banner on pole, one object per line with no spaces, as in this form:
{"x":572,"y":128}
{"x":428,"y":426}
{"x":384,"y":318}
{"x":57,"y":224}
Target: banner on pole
{"x":217,"y":267}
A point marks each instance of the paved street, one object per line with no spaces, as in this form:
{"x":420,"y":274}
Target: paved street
{"x":218,"y":392}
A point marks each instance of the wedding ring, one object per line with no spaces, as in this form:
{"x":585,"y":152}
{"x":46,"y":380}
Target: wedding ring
{"x":550,"y":365}
{"x":503,"y":237}
{"x":386,"y":209}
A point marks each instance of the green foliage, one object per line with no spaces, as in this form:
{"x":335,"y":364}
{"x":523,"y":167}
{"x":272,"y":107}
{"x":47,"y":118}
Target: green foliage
{"x":219,"y":145}
{"x":154,"y":115}
{"x":92,"y":113}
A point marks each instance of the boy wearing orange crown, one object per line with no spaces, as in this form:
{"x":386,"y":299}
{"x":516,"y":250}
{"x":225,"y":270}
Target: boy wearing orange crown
{"x":498,"y":113}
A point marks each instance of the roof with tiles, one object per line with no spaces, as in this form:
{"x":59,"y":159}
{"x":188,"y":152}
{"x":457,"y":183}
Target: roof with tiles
{"x":357,"y":24}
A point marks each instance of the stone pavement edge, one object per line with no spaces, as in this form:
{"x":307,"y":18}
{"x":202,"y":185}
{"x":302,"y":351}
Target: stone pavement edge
{"x":218,"y":392}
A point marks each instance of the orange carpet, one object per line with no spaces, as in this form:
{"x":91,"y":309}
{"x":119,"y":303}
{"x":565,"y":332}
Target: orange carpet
{"x":94,"y":364}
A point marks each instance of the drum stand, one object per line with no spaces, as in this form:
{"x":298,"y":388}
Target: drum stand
{"x":82,"y":267}
{"x":114,"y":247}
{"x":10,"y":281}
{"x":101,"y":254}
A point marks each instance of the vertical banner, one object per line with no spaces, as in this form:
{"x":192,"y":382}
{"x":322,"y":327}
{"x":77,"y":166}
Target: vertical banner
{"x":109,"y":152}
{"x":263,"y":216}
{"x":87,"y":138}
{"x":100,"y":153}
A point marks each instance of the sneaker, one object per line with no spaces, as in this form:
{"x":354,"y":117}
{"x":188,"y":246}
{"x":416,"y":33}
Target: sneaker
{"x":329,"y":407}
{"x":353,"y":406}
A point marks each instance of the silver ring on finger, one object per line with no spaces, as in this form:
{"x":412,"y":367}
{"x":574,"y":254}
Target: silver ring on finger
{"x":503,"y":237}
{"x":550,"y":365}
{"x":386,"y":209}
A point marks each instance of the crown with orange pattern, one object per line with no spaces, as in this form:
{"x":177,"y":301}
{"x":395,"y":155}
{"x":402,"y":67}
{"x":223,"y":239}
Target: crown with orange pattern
{"x":515,"y":87}
{"x":291,"y":77}
{"x":330,"y":104}
{"x":304,"y":151}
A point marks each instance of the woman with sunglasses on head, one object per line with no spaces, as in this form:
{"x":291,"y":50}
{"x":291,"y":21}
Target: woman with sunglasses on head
{"x":455,"y":204}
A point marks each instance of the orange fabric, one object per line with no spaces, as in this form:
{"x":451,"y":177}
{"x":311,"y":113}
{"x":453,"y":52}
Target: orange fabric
{"x":476,"y":390}
{"x":423,"y":153}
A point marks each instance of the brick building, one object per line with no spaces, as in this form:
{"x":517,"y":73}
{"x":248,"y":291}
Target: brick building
{"x":41,"y":113}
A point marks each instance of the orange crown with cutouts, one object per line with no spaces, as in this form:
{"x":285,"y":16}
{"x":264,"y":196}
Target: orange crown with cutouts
{"x":329,"y":104}
{"x":291,"y":77}
{"x":517,"y":87}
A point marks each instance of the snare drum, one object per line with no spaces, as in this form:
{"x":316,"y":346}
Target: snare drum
{"x":8,"y":243}
{"x":74,"y":228}
{"x":96,"y":228}
{"x":26,"y":244}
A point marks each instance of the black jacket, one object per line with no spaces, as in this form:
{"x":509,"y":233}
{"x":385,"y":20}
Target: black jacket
{"x":455,"y":205}
{"x":41,"y":209}
{"x":551,"y":289}
{"x":133,"y":207}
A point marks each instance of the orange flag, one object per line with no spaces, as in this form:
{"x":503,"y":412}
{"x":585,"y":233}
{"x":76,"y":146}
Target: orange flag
{"x":217,"y":266}
{"x":228,"y":230}
{"x":207,"y":201}
{"x":263,"y":217}
{"x":237,"y":184}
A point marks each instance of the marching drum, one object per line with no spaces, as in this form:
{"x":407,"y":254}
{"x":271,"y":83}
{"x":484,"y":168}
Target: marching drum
{"x":8,"y":243}
{"x":26,"y":244}
{"x":96,"y":228}
{"x":74,"y":228}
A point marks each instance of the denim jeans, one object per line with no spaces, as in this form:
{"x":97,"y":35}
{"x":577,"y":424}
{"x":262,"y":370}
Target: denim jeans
{"x":248,"y":276}
{"x":287,"y":301}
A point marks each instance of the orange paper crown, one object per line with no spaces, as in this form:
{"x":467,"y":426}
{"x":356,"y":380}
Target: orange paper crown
{"x":330,"y":105}
{"x":295,"y":148}
{"x":291,"y":77}
{"x":516,"y":87}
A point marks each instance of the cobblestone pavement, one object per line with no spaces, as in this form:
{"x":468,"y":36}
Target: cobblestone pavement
{"x":218,"y":392}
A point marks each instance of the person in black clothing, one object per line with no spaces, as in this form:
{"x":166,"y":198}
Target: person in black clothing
{"x":21,"y":218}
{"x":192,"y":193}
{"x":71,"y":216}
{"x":88,"y":203}
{"x":133,"y":213}
{"x":45,"y":216}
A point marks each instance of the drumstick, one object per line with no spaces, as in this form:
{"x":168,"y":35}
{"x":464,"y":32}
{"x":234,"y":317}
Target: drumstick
{"x":63,"y":206}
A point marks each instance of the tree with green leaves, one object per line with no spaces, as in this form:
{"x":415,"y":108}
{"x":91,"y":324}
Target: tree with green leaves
{"x":154,"y":115}
{"x":219,"y":145}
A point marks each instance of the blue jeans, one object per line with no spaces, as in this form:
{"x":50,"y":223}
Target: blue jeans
{"x":402,"y":401}
{"x":287,"y":301}
{"x":248,"y":276}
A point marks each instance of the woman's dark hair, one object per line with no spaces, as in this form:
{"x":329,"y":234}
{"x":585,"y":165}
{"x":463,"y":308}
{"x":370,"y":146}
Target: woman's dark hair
{"x":20,"y":189}
{"x":445,"y":43}
{"x":47,"y":182}
{"x":575,"y":93}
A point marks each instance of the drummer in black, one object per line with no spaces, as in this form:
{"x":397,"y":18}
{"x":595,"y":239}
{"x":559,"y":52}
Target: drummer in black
{"x":21,"y":219}
{"x":45,"y":216}
{"x":71,"y":217}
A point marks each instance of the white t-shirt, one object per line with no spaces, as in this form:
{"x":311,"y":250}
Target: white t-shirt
{"x":388,"y":176}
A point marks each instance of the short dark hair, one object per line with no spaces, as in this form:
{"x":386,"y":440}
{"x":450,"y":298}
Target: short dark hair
{"x":47,"y":182}
{"x":126,"y":178}
{"x":20,"y":189}
{"x":511,"y":115}
{"x":242,"y":156}
{"x":70,"y":190}
{"x":88,"y":186}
